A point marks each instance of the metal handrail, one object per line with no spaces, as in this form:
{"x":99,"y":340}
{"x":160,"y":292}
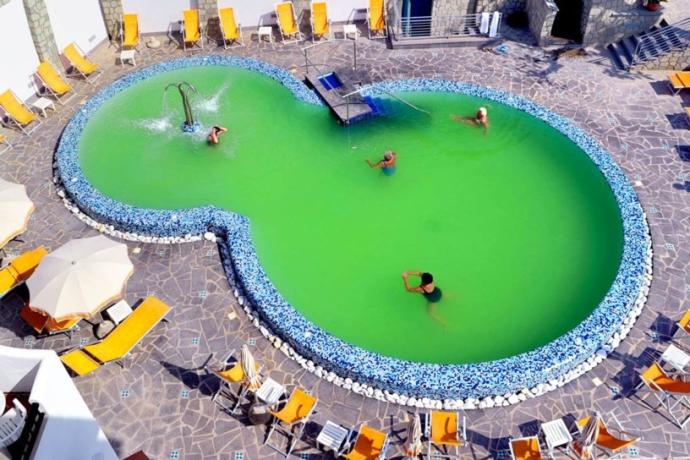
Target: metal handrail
{"x":670,"y":38}
{"x":438,"y":26}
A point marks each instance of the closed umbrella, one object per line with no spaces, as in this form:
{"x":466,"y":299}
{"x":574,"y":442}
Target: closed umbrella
{"x":15,"y":210}
{"x":413,"y":444}
{"x":80,"y":278}
{"x":251,"y":375}
{"x":589,"y":435}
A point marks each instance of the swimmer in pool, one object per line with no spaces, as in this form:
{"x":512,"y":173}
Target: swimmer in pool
{"x":387,"y":165}
{"x":428,"y":289}
{"x":214,"y":136}
{"x":480,"y":119}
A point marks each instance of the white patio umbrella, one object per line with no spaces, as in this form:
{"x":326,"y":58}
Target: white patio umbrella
{"x":15,"y":210}
{"x":413,"y":443}
{"x":252,"y":377}
{"x":78,"y":279}
{"x":589,"y":435}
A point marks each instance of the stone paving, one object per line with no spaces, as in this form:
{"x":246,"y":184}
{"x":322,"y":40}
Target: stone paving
{"x":161,"y":401}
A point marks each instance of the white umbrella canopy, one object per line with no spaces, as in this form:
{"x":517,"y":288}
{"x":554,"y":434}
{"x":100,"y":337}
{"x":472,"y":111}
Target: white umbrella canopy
{"x":589,"y":435}
{"x":249,"y":368}
{"x":413,"y":444}
{"x":15,"y":210}
{"x":78,"y":279}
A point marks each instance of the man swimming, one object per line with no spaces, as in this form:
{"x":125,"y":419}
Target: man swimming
{"x":481,"y":119}
{"x":214,"y":136}
{"x":387,"y":164}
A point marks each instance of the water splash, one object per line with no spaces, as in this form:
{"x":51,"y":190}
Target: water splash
{"x":155,"y":125}
{"x":211,"y":104}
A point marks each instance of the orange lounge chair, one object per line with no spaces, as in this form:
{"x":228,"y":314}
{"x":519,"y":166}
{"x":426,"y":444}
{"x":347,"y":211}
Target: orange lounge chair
{"x":191,"y":30}
{"x":444,"y":431}
{"x":20,"y":268}
{"x":679,"y":81}
{"x":376,"y":19}
{"x":44,"y":325}
{"x":687,"y":116}
{"x":525,"y":448}
{"x":670,"y":393}
{"x":370,"y":444}
{"x":296,"y":412}
{"x":320,"y":24}
{"x":230,"y":29}
{"x":53,"y":83}
{"x":287,"y":22}
{"x":120,"y":342}
{"x":81,"y":64}
{"x":129,"y":35}
{"x":5,"y":142}
{"x":609,"y":443}
{"x":231,"y":373}
{"x":17,"y":113}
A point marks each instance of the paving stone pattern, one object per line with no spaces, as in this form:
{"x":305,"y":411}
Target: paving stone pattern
{"x":161,"y":400}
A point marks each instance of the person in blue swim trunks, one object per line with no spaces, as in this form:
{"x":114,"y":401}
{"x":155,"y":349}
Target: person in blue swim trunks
{"x":428,"y":289}
{"x":387,"y":164}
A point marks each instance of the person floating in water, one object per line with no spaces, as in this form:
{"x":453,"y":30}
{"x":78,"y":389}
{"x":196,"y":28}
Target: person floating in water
{"x":387,"y":165}
{"x":214,"y":136}
{"x":428,"y":289}
{"x":481,"y":119}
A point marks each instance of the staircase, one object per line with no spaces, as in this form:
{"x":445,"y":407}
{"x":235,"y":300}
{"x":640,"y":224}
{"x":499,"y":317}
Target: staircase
{"x":663,"y":46}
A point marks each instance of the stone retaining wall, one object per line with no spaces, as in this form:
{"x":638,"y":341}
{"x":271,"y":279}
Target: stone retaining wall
{"x":676,"y":60}
{"x":541,"y":14}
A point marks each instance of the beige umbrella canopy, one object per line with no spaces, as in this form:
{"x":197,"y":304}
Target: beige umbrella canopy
{"x":80,"y":278}
{"x":413,"y":444}
{"x":15,"y":209}
{"x":249,"y":368}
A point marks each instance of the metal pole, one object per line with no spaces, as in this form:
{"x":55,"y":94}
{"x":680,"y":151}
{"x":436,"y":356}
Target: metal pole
{"x":354,"y":44}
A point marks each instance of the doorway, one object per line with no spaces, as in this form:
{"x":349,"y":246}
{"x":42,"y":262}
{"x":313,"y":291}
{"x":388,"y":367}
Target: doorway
{"x":416,"y":15}
{"x":568,"y":21}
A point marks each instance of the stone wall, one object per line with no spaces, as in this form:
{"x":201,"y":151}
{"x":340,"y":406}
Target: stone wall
{"x":608,"y":21}
{"x":4,"y":2}
{"x":541,"y":14}
{"x":504,"y":6}
{"x":677,"y":60}
{"x":42,"y":31}
{"x":112,"y":15}
{"x":453,"y":7}
{"x":208,"y":14}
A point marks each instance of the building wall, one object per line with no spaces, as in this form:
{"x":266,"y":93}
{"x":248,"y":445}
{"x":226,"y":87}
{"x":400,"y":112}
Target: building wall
{"x":17,"y":45}
{"x":504,"y":6}
{"x":79,"y":21}
{"x":541,"y":14}
{"x":157,"y":15}
{"x":612,"y":20}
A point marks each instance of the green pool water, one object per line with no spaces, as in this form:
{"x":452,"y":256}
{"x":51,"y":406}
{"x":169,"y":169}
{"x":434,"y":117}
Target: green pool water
{"x":518,"y":226}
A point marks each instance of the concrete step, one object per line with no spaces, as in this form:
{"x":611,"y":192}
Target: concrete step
{"x":441,"y":42}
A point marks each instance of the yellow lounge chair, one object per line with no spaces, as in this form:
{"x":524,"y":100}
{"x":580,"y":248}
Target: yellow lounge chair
{"x":17,"y":113}
{"x":666,"y":389}
{"x":120,"y":342}
{"x":679,"y":81}
{"x":320,"y":24}
{"x":231,"y":373}
{"x":525,"y":448}
{"x":371,"y":444}
{"x":129,"y":35}
{"x":376,"y":19}
{"x":20,"y":268}
{"x":229,"y":28}
{"x":609,"y":443}
{"x":296,"y":412}
{"x":53,"y":83}
{"x":5,"y":142}
{"x":444,"y":431}
{"x":287,"y":23}
{"x":81,"y":64}
{"x":191,"y":30}
{"x":687,"y":116}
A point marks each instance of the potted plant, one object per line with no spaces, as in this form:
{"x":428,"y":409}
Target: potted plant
{"x":653,"y":5}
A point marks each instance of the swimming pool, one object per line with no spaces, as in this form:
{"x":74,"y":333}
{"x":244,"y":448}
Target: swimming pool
{"x":522,"y":231}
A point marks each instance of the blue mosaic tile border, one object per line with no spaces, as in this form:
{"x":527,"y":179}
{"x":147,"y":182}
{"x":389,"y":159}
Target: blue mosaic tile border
{"x":545,"y":365}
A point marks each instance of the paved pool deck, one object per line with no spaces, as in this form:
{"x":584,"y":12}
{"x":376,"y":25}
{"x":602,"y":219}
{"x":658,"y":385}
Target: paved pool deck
{"x":160,"y":402}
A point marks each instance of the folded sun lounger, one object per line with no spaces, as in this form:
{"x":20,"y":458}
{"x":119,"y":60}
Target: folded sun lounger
{"x":81,"y":64}
{"x":232,"y":32}
{"x":191,"y":30}
{"x":287,"y":23}
{"x":376,"y":19}
{"x":129,"y":34}
{"x":320,"y":24}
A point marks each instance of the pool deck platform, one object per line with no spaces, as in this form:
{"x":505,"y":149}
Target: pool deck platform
{"x":346,"y":111}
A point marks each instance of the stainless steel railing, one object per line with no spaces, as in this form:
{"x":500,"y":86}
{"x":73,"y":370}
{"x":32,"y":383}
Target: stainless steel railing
{"x":651,"y":45}
{"x":438,"y":26}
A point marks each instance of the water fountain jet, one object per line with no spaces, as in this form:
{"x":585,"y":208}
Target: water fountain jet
{"x":189,"y":125}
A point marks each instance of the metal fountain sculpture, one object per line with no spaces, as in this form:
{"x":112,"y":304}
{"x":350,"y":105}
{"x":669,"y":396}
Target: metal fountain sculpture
{"x":190,"y":125}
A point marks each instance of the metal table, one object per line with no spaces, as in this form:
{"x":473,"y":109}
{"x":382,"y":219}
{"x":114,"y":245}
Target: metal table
{"x":556,"y":434}
{"x":331,"y":437}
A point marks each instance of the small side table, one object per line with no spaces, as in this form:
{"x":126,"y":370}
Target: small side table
{"x":676,"y":358}
{"x":41,"y":104}
{"x":556,"y":434}
{"x":270,"y":392}
{"x":265,"y":31}
{"x":350,"y":29}
{"x":128,"y":55}
{"x":331,"y":437}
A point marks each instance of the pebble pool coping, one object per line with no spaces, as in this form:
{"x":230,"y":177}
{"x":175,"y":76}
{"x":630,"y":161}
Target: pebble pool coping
{"x":504,"y":381}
